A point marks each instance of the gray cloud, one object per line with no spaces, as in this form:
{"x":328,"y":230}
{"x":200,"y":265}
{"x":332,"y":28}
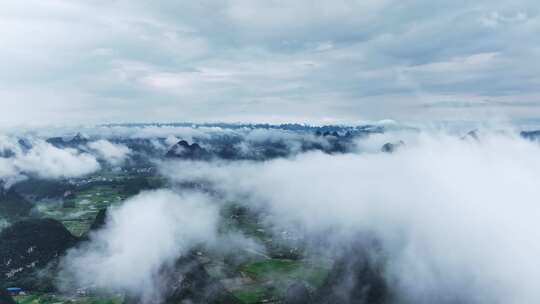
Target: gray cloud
{"x":102,"y":61}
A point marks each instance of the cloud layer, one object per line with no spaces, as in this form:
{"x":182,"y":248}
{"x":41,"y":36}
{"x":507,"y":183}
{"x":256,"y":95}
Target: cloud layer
{"x":77,"y":62}
{"x":457,"y":218}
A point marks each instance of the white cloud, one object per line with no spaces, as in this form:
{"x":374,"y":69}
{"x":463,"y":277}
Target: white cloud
{"x":43,"y":160}
{"x":147,"y":232}
{"x":457,"y":218}
{"x":47,"y":161}
{"x":115,"y":154}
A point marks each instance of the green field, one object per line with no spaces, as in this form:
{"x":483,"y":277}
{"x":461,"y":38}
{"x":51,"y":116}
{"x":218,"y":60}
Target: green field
{"x":272,"y":277}
{"x":79,"y":211}
{"x":282,"y":271}
{"x":272,"y":267}
{"x":54,"y":299}
{"x":255,"y":294}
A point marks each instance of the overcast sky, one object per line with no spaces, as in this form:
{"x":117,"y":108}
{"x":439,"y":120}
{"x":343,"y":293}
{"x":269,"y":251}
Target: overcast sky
{"x":274,"y":61}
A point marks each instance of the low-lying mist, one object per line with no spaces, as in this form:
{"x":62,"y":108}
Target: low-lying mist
{"x":457,"y":218}
{"x":21,"y":158}
{"x":148,"y":232}
{"x":42,"y":160}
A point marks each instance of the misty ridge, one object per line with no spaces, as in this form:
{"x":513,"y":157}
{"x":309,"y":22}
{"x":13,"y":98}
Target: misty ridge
{"x":271,"y":214}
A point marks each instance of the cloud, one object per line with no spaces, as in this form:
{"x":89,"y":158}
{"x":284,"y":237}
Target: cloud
{"x":479,"y":104}
{"x":115,"y":154}
{"x":46,"y":161}
{"x":342,"y":60}
{"x":43,"y":160}
{"x":146,"y":233}
{"x":457,"y":218}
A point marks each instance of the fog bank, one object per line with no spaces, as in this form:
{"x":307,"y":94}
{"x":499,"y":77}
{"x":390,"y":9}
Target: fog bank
{"x":457,"y":217}
{"x":38,"y":158}
{"x":146,"y":233}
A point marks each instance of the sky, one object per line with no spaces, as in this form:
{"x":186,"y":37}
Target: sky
{"x":104,"y":61}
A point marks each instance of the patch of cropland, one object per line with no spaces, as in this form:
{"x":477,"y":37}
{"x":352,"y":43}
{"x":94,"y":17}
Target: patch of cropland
{"x":264,"y":271}
{"x":78,"y":207}
{"x":61,"y":299}
{"x":267,"y":280}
